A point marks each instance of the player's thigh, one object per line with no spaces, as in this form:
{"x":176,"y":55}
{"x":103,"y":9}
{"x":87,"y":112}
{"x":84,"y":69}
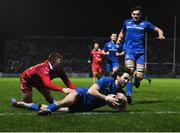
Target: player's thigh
{"x":115,"y":65}
{"x":70,"y":99}
{"x":26,"y":90}
{"x":130,"y":60}
{"x":94,"y":70}
{"x":140,"y":66}
{"x":108,"y":67}
{"x":100,"y":70}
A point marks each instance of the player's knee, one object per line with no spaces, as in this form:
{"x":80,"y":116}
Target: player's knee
{"x":139,"y":72}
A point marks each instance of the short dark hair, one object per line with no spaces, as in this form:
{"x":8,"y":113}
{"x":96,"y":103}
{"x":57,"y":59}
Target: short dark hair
{"x":136,"y":8}
{"x":120,"y":71}
{"x":54,"y":56}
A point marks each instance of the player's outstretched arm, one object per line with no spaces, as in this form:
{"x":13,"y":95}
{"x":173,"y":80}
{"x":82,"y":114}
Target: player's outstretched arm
{"x":160,"y":33}
{"x":94,"y":90}
{"x":120,"y":37}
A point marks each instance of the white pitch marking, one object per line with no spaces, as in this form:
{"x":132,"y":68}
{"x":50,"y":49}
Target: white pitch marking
{"x":99,"y":113}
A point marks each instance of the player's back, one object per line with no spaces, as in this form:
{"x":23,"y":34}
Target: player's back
{"x":37,"y":70}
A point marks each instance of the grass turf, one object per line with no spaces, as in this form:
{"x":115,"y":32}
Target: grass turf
{"x":156,"y":107}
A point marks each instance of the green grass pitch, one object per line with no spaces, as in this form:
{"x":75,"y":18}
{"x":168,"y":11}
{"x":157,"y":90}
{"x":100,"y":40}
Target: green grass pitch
{"x":156,"y":107}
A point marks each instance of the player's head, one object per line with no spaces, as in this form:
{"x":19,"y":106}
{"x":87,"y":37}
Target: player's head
{"x":114,"y":37}
{"x":55,"y":59}
{"x":136,"y":13}
{"x":96,"y":45}
{"x":122,"y":75}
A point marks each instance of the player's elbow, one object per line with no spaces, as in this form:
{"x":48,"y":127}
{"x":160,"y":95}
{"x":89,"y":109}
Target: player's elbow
{"x":90,"y":92}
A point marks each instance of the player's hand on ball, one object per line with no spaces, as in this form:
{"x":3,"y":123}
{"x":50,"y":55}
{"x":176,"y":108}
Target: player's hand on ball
{"x":111,"y":98}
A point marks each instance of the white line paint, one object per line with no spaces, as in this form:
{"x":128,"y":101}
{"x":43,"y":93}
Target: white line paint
{"x":98,"y":113}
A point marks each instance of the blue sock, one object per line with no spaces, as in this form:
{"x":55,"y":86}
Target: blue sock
{"x":34,"y":107}
{"x":129,"y":88}
{"x":136,"y":81}
{"x":52,"y":107}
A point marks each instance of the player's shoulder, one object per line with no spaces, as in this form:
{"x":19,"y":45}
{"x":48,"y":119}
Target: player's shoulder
{"x":146,"y":22}
{"x":45,"y":67}
{"x":107,"y":78}
{"x":128,"y":21}
{"x":108,"y":43}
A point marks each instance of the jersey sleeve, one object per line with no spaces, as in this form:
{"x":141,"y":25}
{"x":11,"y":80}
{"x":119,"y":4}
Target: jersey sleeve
{"x":105,"y":47}
{"x":103,"y":83}
{"x":47,"y":81}
{"x":150,"y":26}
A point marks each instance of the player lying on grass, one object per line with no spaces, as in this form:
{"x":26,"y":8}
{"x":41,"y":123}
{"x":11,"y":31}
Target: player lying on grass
{"x":83,"y":99}
{"x":40,"y":76}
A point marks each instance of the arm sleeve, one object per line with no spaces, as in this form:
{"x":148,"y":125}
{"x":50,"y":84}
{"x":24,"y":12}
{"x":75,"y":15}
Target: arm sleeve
{"x":102,"y":83}
{"x":105,"y":47}
{"x":150,"y":26}
{"x":47,"y":82}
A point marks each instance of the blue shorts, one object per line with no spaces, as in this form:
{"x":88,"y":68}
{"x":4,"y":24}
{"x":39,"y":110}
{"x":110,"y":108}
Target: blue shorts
{"x":112,"y":64}
{"x":137,"y":58}
{"x":85,"y":102}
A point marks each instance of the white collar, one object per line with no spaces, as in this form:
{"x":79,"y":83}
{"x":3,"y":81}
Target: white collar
{"x":50,"y":65}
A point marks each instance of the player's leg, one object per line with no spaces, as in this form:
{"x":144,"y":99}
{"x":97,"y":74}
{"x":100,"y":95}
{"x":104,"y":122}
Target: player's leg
{"x":115,"y":66}
{"x":108,"y":68}
{"x":139,"y":70}
{"x":95,"y":73}
{"x":26,"y":90}
{"x":99,"y":69}
{"x":129,"y":64}
{"x":147,"y":78}
{"x":69,"y":100}
{"x":45,"y":92}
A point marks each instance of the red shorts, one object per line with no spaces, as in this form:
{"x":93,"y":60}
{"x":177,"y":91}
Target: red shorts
{"x":26,"y":84}
{"x":97,"y":68}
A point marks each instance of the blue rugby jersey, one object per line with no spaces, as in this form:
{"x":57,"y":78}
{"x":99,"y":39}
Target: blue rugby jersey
{"x":112,"y":48}
{"x":135,"y":34}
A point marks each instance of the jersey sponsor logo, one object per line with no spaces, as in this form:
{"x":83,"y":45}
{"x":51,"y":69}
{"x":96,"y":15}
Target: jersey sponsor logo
{"x":132,"y":27}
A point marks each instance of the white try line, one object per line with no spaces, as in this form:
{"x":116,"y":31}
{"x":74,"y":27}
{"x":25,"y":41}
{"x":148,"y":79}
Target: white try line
{"x":96,"y":113}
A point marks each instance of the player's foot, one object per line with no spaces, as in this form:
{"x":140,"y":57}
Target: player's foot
{"x":137,"y":84}
{"x":45,"y":112}
{"x":149,"y":80}
{"x":14,"y":102}
{"x":129,"y":99}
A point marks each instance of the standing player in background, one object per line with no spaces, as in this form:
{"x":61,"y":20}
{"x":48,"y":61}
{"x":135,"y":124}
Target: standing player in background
{"x":96,"y":61}
{"x":112,"y":51}
{"x":133,"y":33}
{"x":40,"y":76}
